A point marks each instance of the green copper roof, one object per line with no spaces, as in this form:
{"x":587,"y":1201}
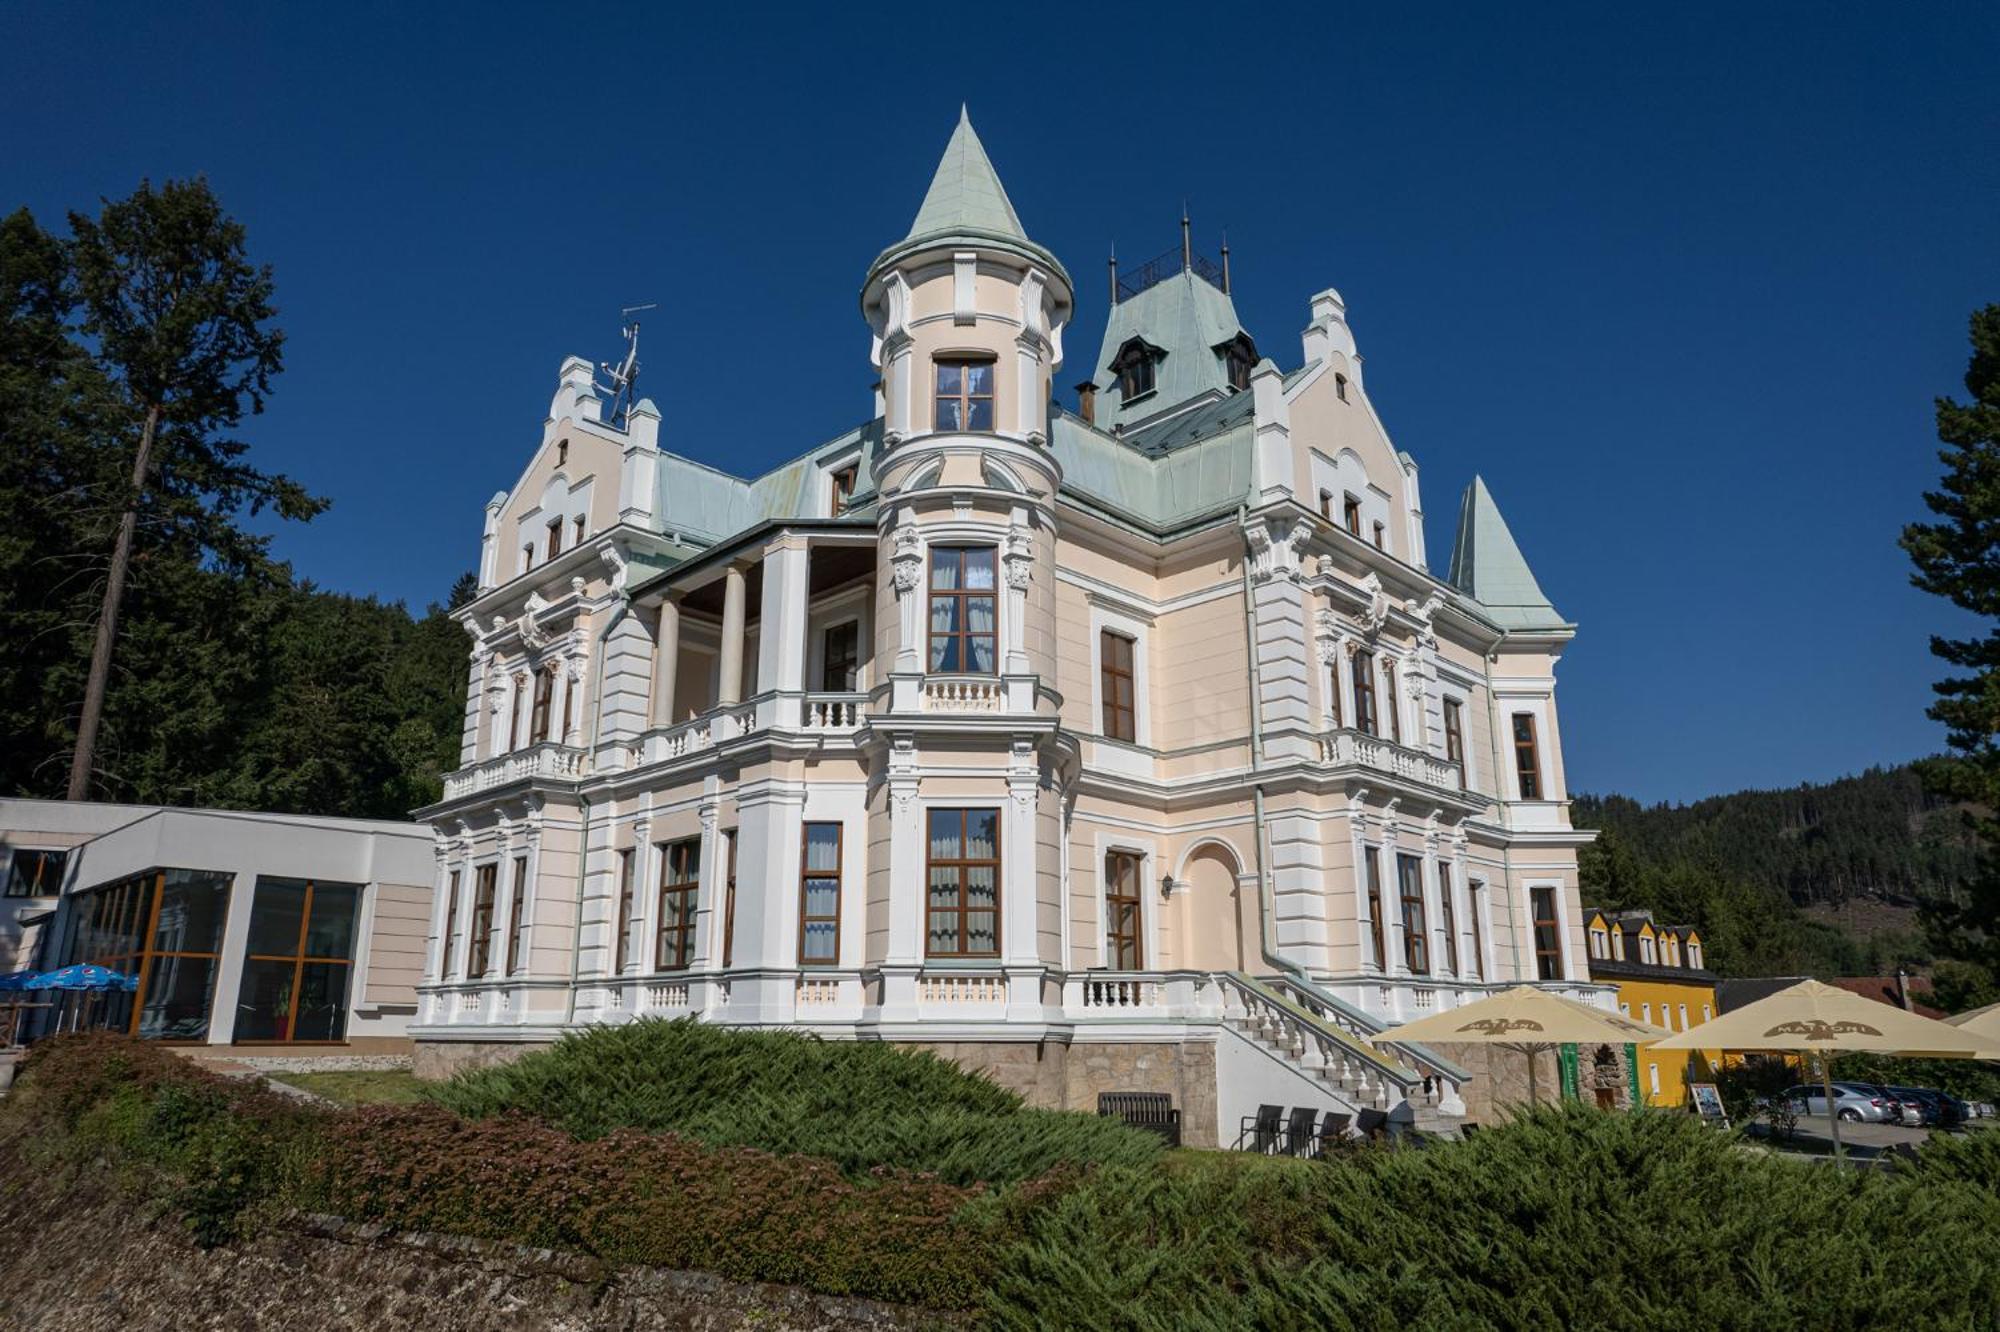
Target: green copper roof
{"x":966,"y":193}
{"x":1186,"y":319}
{"x":1487,"y":565}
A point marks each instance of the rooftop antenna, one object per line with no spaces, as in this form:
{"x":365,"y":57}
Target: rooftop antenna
{"x":626,"y":374}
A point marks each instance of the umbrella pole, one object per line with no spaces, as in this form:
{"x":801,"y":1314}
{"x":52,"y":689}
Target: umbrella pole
{"x":1534,"y":1091}
{"x":1832,"y":1112}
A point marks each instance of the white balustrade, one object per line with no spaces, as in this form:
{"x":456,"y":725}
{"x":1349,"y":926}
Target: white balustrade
{"x":833,"y":712}
{"x":815,"y":992}
{"x":959,"y":693}
{"x":961,"y":990}
{"x":1368,"y":751}
{"x":667,"y":994}
{"x":1119,"y":993}
{"x":550,"y":762}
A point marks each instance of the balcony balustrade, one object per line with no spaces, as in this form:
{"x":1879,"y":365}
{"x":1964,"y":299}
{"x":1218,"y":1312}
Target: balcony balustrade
{"x":548,"y":761}
{"x":1351,"y":747}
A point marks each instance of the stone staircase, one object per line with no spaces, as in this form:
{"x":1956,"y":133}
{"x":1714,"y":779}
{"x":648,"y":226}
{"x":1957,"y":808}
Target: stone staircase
{"x":1326,"y":1041}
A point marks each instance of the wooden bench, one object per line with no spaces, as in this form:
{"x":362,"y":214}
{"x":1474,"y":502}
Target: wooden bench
{"x":1152,"y":1111}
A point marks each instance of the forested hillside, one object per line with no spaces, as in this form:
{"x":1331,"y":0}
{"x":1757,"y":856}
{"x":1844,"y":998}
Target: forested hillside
{"x":1742,"y":867}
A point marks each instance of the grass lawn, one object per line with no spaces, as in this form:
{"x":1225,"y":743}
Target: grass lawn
{"x":396,"y":1086}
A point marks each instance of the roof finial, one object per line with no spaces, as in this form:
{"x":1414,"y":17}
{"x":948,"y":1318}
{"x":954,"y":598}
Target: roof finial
{"x":964,"y":114}
{"x":1225,"y":261}
{"x":1114,"y":274}
{"x":1187,"y":241}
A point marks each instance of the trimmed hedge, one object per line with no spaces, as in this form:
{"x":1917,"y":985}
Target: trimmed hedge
{"x":860,"y":1104}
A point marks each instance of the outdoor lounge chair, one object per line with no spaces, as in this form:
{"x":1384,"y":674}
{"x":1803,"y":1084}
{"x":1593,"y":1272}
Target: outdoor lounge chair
{"x":1332,"y":1128}
{"x":1372,"y":1124}
{"x":1299,"y":1130}
{"x":1260,"y":1132}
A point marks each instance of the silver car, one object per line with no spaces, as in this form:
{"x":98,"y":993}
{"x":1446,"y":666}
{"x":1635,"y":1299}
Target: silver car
{"x":1853,"y":1102}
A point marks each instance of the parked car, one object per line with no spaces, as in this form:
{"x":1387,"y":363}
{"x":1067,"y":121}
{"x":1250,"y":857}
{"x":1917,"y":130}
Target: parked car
{"x":1900,"y":1111}
{"x":1854,"y":1102}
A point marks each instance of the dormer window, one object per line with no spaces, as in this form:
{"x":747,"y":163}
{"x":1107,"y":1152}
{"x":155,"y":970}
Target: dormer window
{"x":964,"y":395}
{"x":1694,"y":958}
{"x":1646,"y":953}
{"x":1239,"y":358}
{"x":843,"y":488}
{"x":1135,"y":365}
{"x":1618,"y":945}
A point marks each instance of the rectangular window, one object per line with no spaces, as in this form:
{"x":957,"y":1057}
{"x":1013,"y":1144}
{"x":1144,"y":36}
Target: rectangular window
{"x":840,"y":657}
{"x":514,"y":714}
{"x":1381,"y":537}
{"x":1364,"y":692}
{"x":450,"y":927}
{"x":577,"y":530}
{"x":1121,"y":911}
{"x":36,"y":873}
{"x":964,"y":610}
{"x":1454,"y":731}
{"x":1526,"y":766}
{"x":1350,"y":509}
{"x":729,"y":897}
{"x":1326,"y":505}
{"x":1548,"y":935}
{"x":482,"y":921}
{"x":962,"y":866}
{"x":299,"y":961}
{"x":1448,"y":917}
{"x":1374,"y":859}
{"x":1473,"y":889}
{"x":1410,"y":883}
{"x":843,"y":488}
{"x":527,"y":557}
{"x":680,"y":884}
{"x":819,"y":896}
{"x":622,"y":952}
{"x":555,"y":537}
{"x":517,"y":918}
{"x":964,"y":395}
{"x":538,"y":723}
{"x":1114,"y":653}
{"x":1392,"y":707}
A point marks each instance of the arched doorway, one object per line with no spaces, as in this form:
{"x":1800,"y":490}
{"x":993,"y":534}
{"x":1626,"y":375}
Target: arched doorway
{"x":1220,"y":911}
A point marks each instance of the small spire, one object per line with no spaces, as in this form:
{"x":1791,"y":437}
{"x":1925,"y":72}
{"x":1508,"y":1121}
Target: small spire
{"x":1225,"y":261}
{"x":1187,"y":239}
{"x":1114,"y":274}
{"x":966,"y":191}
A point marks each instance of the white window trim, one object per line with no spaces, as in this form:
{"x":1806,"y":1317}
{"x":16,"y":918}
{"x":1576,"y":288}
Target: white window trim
{"x":1149,"y":941}
{"x":1104,"y":618}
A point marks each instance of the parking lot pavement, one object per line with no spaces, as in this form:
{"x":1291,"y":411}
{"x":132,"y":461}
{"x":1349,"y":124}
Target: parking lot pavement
{"x":1871,"y":1139}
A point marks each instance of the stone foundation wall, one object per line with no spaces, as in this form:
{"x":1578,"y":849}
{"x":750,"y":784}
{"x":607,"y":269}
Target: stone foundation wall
{"x":1500,"y":1078}
{"x":1058,"y":1076}
{"x":435,"y":1061}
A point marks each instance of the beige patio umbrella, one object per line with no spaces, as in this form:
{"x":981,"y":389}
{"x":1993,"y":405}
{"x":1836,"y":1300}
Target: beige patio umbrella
{"x":1527,"y":1019}
{"x":1981,"y":1022}
{"x":1825,"y":1020}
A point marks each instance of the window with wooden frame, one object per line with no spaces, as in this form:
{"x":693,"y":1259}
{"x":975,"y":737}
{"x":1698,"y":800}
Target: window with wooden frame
{"x":622,"y":947}
{"x":165,"y":927}
{"x":1548,"y":934}
{"x":1410,"y":883}
{"x":1350,"y":513}
{"x":1238,"y":363}
{"x":450,"y":927}
{"x":527,"y":557}
{"x":842,"y":491}
{"x":482,"y":921}
{"x":840,"y":657}
{"x":1121,"y":911}
{"x":964,"y":394}
{"x":1114,"y":668}
{"x":1392,"y":705}
{"x":1381,"y":537}
{"x":1448,"y":917}
{"x":545,"y":688}
{"x":555,"y":538}
{"x":577,"y":529}
{"x":680,"y":886}
{"x":1135,"y":365}
{"x":1326,"y":505}
{"x":514,"y":713}
{"x":1454,"y":731}
{"x":299,"y":961}
{"x":1374,"y":864}
{"x":1473,"y":889}
{"x":1527,"y":766}
{"x":1364,"y":691}
{"x":962,"y":872}
{"x":517,"y":918}
{"x":36,"y":873}
{"x":729,"y":896}
{"x":819,"y":895}
{"x":964,"y":628}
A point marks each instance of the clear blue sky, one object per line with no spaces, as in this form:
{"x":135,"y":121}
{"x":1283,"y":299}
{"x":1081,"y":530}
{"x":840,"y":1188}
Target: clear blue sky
{"x":1681,"y":284}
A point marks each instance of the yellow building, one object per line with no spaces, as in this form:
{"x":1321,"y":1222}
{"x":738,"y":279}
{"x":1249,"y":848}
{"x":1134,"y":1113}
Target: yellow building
{"x":1661,"y":978}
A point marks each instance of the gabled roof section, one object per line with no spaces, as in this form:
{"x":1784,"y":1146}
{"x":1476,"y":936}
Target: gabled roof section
{"x":1487,"y":565}
{"x":704,"y":504}
{"x":966,"y":193}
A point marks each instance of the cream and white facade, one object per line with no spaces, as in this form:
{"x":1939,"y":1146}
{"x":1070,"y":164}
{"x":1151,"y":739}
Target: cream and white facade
{"x":1063,"y":742}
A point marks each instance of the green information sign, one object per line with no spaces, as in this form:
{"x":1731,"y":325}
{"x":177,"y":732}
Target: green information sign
{"x":1572,"y":1082}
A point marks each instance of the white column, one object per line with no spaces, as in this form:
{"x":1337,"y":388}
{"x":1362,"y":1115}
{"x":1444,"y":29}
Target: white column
{"x":730,"y":688}
{"x":767,"y":875}
{"x":906,"y":884}
{"x":666,"y":662}
{"x":1020,"y":944}
{"x":781,"y":639}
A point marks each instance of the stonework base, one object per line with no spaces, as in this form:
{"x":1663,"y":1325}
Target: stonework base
{"x":1500,"y":1078}
{"x":1053,"y":1075}
{"x":434,"y":1061}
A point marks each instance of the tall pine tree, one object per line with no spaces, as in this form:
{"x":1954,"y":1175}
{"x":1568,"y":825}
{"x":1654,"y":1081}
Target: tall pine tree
{"x":1958,"y":558}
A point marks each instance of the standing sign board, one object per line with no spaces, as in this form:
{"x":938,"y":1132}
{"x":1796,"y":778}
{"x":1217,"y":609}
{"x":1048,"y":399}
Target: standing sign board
{"x":1708,"y":1103}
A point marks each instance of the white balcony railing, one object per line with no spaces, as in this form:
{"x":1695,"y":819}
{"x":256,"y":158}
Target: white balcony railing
{"x":551,"y":762}
{"x":964,"y":693}
{"x":1359,"y":748}
{"x":696,"y":734}
{"x":833,"y":712}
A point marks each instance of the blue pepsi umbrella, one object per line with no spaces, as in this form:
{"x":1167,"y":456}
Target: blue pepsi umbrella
{"x":84,"y":976}
{"x":16,"y":980}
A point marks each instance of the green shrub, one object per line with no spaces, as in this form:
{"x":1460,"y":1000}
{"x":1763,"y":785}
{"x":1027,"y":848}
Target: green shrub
{"x":1569,"y":1218}
{"x":859,"y":1104}
{"x":1972,"y":1157}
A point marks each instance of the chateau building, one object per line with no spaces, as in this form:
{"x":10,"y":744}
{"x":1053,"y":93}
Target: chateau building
{"x":1135,"y":747}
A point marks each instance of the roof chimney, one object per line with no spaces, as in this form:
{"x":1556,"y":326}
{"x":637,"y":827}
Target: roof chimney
{"x":1086,"y":401}
{"x":1903,"y":989}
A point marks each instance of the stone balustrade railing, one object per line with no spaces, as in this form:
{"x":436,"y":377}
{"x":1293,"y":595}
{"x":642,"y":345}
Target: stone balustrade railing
{"x":1359,"y":748}
{"x":833,"y":712}
{"x":549,"y":761}
{"x":1363,"y":1026}
{"x":963,"y":693}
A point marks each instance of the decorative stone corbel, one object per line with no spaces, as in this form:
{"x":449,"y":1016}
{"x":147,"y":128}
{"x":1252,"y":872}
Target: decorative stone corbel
{"x":1376,"y":613}
{"x":907,"y":560}
{"x":1017,"y":554}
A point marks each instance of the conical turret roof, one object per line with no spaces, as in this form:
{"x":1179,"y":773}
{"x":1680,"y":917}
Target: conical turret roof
{"x":967,"y":205}
{"x":1487,"y":565}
